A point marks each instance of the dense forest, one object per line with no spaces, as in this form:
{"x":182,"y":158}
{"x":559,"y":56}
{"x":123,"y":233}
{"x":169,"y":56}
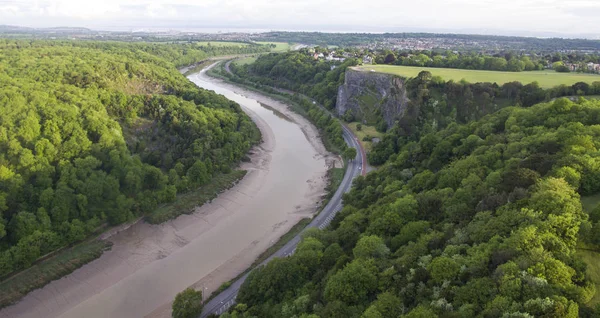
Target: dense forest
{"x":300,"y":72}
{"x":99,"y":132}
{"x":476,"y":220}
{"x":314,"y":83}
{"x":434,"y":104}
{"x":494,"y":61}
{"x":507,"y":62}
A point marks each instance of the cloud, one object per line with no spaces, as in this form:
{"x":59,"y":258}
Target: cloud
{"x":537,"y":16}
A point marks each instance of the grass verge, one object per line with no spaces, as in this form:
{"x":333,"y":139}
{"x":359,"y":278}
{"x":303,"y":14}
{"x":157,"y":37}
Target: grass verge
{"x":335,"y":175}
{"x":37,"y":276}
{"x":366,"y":132}
{"x":185,"y":203}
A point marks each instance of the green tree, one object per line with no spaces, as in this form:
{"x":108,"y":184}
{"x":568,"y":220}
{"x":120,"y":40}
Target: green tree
{"x":370,"y":246}
{"x":354,"y":283}
{"x":187,"y":304}
{"x":349,"y":154}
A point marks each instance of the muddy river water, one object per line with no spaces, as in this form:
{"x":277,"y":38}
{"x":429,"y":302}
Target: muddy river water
{"x":149,"y":264}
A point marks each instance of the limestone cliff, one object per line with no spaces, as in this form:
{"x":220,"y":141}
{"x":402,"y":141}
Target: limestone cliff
{"x":371,"y":97}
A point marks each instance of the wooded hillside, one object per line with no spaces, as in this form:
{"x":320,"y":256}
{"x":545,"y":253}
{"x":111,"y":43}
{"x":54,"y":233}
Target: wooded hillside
{"x":96,"y":132}
{"x":476,"y":220}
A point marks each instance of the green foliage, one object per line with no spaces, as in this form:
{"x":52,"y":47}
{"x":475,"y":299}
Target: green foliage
{"x":482,"y":219}
{"x":370,"y":246}
{"x":300,"y":72}
{"x":349,"y":153}
{"x":187,"y":304}
{"x":101,"y":132}
{"x":353,"y":284}
{"x":305,"y":100}
{"x":15,"y":287}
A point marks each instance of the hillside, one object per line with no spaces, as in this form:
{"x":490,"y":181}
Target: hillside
{"x":99,"y":132}
{"x":477,"y":219}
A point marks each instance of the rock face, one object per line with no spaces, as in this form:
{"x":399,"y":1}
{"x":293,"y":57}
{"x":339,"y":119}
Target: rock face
{"x":371,"y":97}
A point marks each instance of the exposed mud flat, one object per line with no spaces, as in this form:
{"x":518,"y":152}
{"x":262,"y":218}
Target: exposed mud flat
{"x":149,"y":264}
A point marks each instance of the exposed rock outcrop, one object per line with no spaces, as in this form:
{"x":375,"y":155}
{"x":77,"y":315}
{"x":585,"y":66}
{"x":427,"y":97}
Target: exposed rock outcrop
{"x":371,"y":96}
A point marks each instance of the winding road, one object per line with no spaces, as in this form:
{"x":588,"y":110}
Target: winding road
{"x":223,"y":301}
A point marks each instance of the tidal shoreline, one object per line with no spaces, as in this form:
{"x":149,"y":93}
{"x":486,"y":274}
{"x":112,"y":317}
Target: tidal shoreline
{"x":149,"y":264}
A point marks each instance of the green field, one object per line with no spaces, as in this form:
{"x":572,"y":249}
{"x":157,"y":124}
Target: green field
{"x":546,"y":79}
{"x":279,"y":46}
{"x":365,"y":131}
{"x":244,"y":61}
{"x":221,"y":44}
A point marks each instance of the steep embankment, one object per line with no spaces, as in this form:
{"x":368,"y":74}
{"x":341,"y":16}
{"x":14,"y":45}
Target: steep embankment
{"x":372,"y":97}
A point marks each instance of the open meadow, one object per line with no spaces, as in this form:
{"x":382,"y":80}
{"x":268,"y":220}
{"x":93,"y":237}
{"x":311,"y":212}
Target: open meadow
{"x":221,"y":43}
{"x":279,"y":46}
{"x":546,"y":79}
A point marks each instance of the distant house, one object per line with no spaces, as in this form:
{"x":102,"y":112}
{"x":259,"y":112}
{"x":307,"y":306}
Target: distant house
{"x":571,"y":67}
{"x":332,"y":57}
{"x":316,"y":56}
{"x":367,"y":59}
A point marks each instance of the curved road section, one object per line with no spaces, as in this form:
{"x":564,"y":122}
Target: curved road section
{"x":223,"y":301}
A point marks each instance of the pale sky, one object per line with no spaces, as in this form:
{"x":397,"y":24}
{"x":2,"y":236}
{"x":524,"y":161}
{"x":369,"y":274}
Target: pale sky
{"x":518,"y":17}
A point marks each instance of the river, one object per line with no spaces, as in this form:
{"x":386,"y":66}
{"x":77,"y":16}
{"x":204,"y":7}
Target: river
{"x":149,"y":264}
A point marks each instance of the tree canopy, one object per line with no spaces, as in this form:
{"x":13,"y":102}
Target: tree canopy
{"x":187,"y":304}
{"x":101,"y":132}
{"x":476,"y":219}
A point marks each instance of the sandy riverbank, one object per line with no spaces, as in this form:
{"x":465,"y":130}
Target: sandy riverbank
{"x":149,"y":264}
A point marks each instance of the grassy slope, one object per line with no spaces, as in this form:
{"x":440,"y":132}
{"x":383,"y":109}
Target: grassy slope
{"x":279,"y":46}
{"x":365,"y":131}
{"x":244,"y":61}
{"x":546,"y":79}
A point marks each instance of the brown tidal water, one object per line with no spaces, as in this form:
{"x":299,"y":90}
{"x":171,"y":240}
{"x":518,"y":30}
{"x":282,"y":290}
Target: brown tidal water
{"x":149,"y":264}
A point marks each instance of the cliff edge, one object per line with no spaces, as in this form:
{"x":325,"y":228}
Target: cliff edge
{"x":370,"y":97}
